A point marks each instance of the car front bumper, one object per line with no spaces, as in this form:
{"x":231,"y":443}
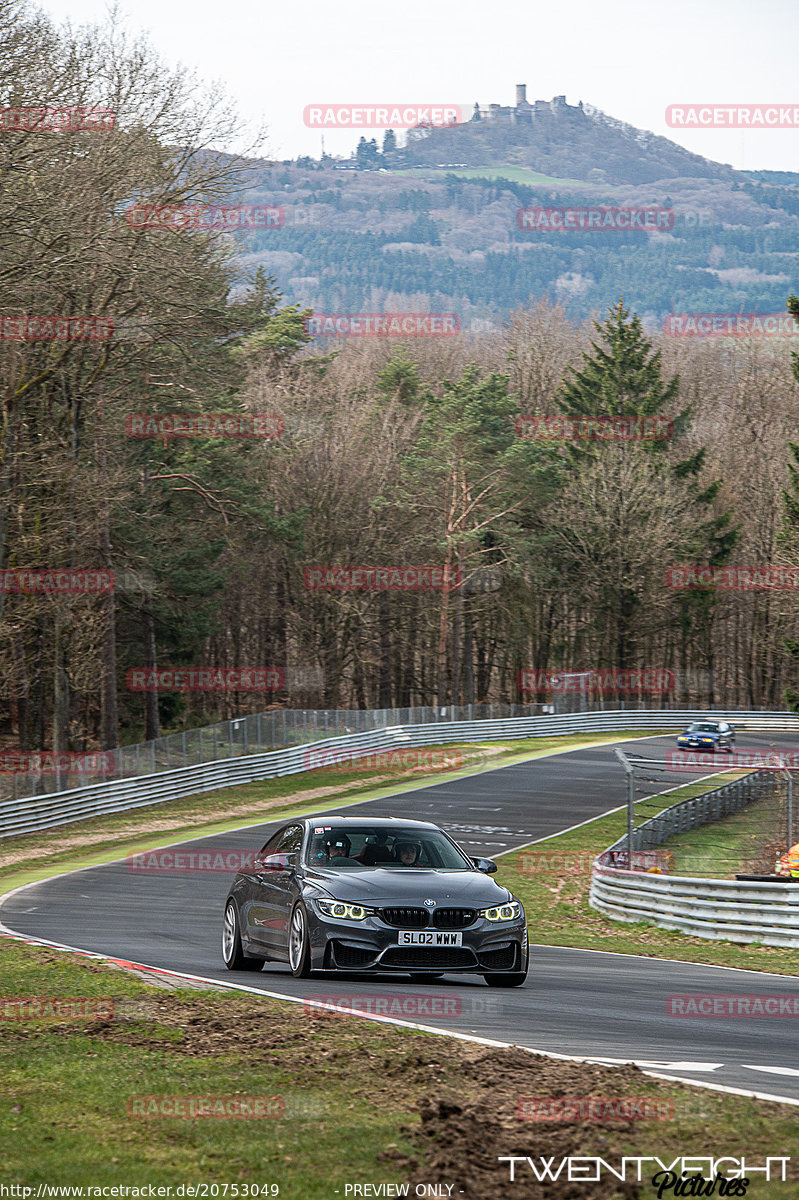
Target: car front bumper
{"x":370,"y":945}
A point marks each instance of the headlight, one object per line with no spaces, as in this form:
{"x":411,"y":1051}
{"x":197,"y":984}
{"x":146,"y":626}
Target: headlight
{"x":342,"y":911}
{"x":503,"y":912}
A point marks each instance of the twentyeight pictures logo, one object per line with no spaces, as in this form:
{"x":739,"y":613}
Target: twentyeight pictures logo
{"x":381,"y":116}
{"x":410,"y":324}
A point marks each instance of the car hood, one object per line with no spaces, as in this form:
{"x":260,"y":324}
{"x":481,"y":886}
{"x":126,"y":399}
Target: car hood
{"x":714,"y":734}
{"x":412,"y":886}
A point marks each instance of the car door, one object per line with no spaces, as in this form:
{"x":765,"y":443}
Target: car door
{"x":254,"y":909}
{"x":277,"y":889}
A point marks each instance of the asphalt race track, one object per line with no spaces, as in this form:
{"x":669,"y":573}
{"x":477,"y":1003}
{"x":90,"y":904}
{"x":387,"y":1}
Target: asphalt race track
{"x":574,"y":1002}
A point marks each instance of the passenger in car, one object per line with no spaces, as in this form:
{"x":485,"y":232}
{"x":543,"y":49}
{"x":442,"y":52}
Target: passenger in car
{"x":408,"y":854}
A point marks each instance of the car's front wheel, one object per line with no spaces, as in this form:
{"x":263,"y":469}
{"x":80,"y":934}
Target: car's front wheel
{"x":232,"y":952}
{"x":299,"y":943}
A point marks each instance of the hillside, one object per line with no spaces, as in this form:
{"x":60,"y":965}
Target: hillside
{"x":411,"y":233}
{"x":559,"y":139}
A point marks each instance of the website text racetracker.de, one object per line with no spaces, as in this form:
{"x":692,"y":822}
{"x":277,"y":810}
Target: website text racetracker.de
{"x":192,"y":1191}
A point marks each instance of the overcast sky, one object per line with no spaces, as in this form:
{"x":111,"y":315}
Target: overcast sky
{"x":630,"y":59}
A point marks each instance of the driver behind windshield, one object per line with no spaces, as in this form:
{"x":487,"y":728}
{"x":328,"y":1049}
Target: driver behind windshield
{"x":332,"y":846}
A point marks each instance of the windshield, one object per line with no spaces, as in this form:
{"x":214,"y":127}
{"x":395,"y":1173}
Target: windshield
{"x":700,"y":728}
{"x":360,"y":847}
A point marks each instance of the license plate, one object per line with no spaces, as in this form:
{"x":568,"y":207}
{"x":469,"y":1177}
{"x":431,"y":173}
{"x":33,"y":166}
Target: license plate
{"x":420,"y":937}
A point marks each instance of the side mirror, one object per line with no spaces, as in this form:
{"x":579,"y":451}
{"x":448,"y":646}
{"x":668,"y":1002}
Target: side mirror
{"x":277,"y":862}
{"x":486,"y":865}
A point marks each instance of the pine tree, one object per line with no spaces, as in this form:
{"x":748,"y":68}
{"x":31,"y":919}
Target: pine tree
{"x":622,"y":377}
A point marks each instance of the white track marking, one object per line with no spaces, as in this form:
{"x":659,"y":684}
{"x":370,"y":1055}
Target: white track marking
{"x":771,"y":1070}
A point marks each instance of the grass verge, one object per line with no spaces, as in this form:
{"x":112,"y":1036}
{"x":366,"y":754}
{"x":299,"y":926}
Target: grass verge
{"x":553,"y":878}
{"x":353,"y":1101}
{"x":747,"y":842}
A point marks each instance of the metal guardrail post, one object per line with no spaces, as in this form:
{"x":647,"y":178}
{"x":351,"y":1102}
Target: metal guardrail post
{"x":789,"y":830}
{"x":628,"y":767}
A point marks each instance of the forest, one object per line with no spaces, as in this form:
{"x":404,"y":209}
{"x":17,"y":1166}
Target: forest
{"x":247,"y":517}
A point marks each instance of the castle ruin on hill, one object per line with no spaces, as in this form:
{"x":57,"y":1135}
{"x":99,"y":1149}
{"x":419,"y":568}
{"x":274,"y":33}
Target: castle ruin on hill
{"x":523,"y":110}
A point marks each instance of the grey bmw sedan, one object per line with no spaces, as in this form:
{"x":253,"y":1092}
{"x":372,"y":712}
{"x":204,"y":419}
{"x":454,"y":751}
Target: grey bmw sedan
{"x":379,"y":895}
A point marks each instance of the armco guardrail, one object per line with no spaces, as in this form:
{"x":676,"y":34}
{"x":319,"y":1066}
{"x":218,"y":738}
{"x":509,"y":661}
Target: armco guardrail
{"x":719,"y":909}
{"x":280,"y":729}
{"x":25,"y":816}
{"x":19,"y":816}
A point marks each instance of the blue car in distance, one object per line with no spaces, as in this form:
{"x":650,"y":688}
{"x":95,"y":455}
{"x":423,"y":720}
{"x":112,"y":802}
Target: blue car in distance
{"x":707,"y":735}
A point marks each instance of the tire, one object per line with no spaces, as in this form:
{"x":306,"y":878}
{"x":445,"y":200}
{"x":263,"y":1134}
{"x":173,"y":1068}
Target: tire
{"x":299,"y":945}
{"x":232,"y":953}
{"x":514,"y":979}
